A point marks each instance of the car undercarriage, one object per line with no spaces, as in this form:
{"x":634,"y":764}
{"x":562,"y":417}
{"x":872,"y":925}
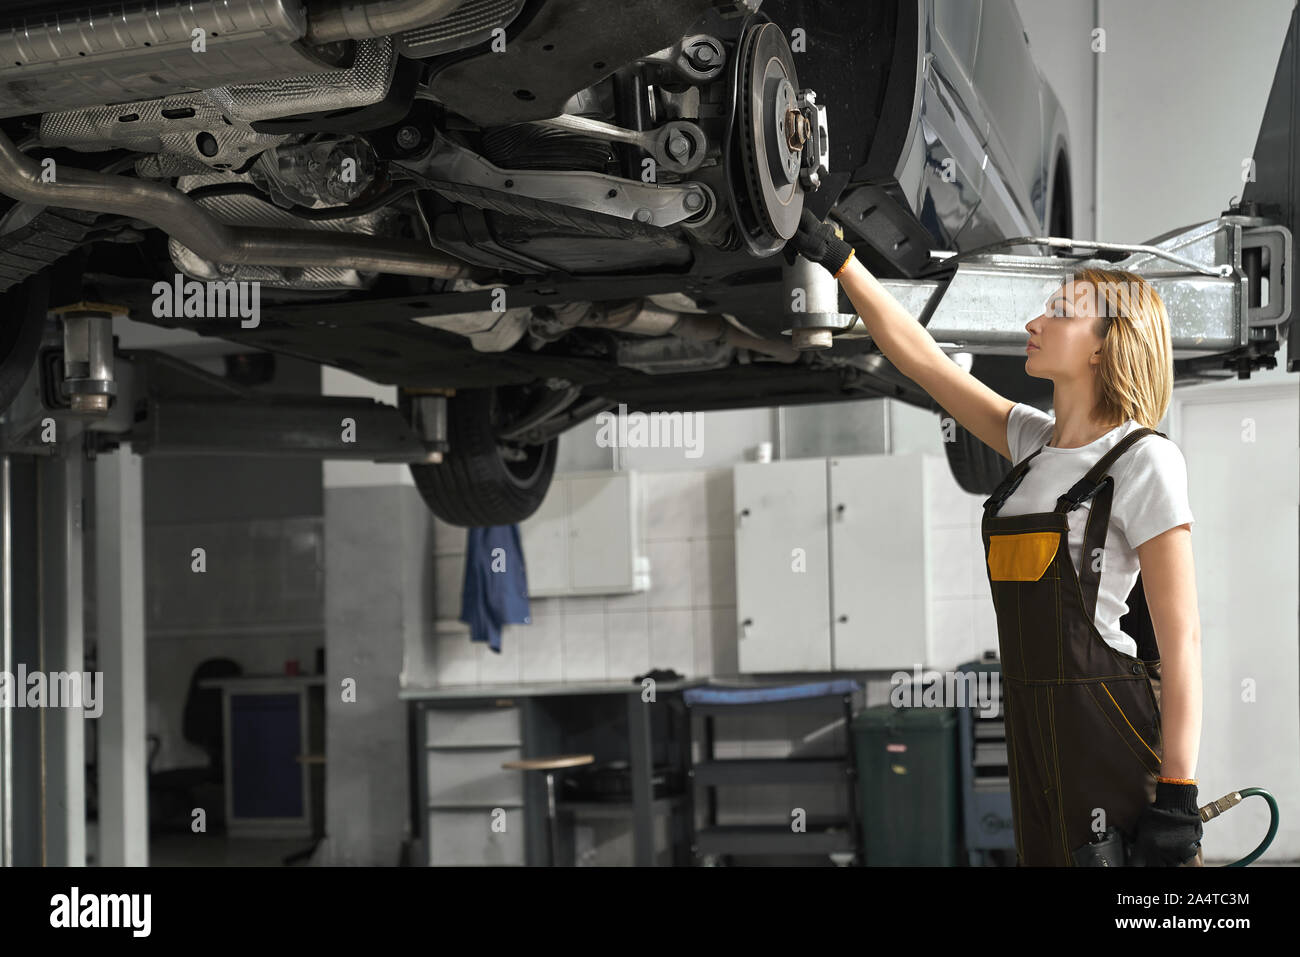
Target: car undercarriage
{"x":525,"y":212}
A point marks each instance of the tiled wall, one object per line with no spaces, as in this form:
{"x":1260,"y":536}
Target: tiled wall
{"x":961,"y":604}
{"x":686,"y":621}
{"x":259,"y":603}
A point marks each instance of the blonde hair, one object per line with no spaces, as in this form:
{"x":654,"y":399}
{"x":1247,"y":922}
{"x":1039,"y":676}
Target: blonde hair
{"x":1137,"y":356}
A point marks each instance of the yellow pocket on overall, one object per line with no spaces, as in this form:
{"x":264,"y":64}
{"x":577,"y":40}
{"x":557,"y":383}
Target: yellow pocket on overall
{"x":1021,"y":557}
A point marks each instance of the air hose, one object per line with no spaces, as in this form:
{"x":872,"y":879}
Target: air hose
{"x":1232,"y":799}
{"x":1112,"y":849}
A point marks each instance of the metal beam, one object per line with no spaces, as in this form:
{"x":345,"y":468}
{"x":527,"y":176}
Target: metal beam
{"x":119,"y":564}
{"x":308,"y":426}
{"x":982,"y":305}
{"x":62,"y":649}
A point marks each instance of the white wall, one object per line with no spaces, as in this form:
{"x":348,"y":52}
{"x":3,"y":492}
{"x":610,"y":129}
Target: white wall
{"x":1059,"y":37}
{"x":1183,"y":88}
{"x":1243,"y":465}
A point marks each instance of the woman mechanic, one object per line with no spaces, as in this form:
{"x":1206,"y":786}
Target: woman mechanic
{"x":1095,"y":496}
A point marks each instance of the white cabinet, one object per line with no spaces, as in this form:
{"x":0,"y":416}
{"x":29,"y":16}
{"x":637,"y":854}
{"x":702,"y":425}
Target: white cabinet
{"x":864,"y":527}
{"x":782,"y":579}
{"x":544,"y":537}
{"x":880,"y":566}
{"x":583,"y":538}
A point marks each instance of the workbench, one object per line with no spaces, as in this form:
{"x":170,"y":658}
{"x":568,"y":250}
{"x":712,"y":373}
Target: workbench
{"x":461,"y":734}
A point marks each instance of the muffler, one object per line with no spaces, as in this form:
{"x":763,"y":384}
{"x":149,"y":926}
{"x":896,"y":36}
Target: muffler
{"x":59,"y":61}
{"x":128,"y":52}
{"x":645,"y":318}
{"x":335,"y":20}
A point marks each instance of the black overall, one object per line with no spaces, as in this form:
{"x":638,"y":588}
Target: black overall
{"x":1082,"y":720}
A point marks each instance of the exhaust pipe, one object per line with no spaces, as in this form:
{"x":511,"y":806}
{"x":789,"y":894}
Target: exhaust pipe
{"x":335,"y":20}
{"x":647,"y":319}
{"x":188,"y":223}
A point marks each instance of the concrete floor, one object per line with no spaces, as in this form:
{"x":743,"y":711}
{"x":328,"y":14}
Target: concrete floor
{"x":215,"y":850}
{"x":202,"y":850}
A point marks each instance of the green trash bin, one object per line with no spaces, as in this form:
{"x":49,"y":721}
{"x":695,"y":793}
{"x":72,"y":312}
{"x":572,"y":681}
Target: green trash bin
{"x":908,"y":785}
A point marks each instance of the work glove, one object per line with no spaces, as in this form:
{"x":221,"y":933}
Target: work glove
{"x":1169,"y":830}
{"x":816,"y":241}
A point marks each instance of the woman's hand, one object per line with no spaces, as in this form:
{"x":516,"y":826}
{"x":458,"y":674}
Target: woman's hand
{"x":817,"y":242}
{"x":1169,"y":830}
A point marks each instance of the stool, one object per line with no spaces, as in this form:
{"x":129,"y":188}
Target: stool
{"x":550,"y":764}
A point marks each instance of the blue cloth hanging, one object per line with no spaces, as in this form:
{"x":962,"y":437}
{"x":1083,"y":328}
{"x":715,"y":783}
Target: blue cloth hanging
{"x":495,"y":592}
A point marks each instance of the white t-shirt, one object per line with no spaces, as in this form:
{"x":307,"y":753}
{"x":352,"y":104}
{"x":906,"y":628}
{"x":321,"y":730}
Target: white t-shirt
{"x":1149,"y":497}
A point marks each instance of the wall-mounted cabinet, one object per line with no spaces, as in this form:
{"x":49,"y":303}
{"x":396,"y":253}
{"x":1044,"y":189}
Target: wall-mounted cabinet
{"x":833,"y":565}
{"x":583,"y":538}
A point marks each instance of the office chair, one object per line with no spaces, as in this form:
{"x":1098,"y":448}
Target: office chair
{"x":175,"y":792}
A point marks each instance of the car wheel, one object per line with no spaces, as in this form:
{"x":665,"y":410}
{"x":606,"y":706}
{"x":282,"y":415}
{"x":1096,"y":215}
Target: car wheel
{"x":22,"y":319}
{"x":482,"y":481}
{"x":977,"y":467}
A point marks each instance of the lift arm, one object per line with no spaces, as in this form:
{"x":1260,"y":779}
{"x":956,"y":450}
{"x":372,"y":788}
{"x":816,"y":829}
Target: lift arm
{"x":1227,"y":283}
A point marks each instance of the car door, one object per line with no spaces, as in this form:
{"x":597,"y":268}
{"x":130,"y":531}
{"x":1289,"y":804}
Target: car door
{"x":1009,"y":89}
{"x":956,"y":127}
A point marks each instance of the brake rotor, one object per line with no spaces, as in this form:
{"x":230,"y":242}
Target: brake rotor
{"x":768,"y":129}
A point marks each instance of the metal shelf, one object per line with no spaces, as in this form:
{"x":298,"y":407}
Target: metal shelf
{"x":738,"y":839}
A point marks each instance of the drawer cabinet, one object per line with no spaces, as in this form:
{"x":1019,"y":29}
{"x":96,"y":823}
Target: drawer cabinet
{"x":474,"y":808}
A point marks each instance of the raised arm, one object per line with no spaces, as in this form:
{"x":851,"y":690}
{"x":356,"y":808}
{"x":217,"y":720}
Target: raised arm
{"x":913,"y":351}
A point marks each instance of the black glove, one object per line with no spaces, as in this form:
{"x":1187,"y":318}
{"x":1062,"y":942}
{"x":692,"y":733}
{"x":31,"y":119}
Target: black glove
{"x":1169,"y":830}
{"x":816,"y":241}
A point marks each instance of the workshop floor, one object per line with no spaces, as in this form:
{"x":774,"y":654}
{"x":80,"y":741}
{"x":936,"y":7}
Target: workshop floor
{"x":204,"y":850}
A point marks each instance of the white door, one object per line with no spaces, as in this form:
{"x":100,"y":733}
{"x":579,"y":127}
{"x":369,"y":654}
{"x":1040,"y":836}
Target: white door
{"x":880,"y":596}
{"x":1244,"y":484}
{"x":782,"y":579}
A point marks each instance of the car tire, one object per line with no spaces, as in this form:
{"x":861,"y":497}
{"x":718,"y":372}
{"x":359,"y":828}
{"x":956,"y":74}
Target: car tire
{"x":22,"y":321}
{"x":475,"y":485}
{"x":977,"y":467}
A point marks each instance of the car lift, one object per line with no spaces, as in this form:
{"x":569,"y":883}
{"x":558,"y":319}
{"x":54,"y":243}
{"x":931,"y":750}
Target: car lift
{"x":1228,"y":285}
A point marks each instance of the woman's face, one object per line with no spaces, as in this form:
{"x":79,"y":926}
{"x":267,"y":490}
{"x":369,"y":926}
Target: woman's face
{"x":1065,"y":334}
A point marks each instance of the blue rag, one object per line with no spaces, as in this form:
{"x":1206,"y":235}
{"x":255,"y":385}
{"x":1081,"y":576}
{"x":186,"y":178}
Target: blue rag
{"x":495,"y":592}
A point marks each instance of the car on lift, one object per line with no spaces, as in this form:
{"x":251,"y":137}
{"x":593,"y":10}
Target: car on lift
{"x":520,"y":212}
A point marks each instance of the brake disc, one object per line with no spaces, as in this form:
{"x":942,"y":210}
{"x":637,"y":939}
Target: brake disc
{"x":768,"y":140}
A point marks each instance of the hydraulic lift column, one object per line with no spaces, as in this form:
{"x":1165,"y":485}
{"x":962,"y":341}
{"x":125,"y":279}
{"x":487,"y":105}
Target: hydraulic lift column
{"x":42,"y":750}
{"x":120,"y":643}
